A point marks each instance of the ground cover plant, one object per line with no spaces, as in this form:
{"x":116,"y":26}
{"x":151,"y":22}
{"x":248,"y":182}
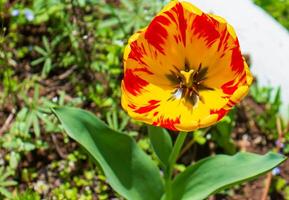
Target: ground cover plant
{"x":56,"y":53}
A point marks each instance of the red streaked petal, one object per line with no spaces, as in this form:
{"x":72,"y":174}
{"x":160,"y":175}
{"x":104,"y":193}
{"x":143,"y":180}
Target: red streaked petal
{"x":230,"y":87}
{"x":237,"y":63}
{"x":182,"y":23}
{"x":206,"y":27}
{"x":133,"y":83}
{"x":137,"y":52}
{"x":143,"y":69}
{"x":153,"y":104}
{"x":221,"y":113}
{"x":156,"y":33}
{"x":167,"y":123}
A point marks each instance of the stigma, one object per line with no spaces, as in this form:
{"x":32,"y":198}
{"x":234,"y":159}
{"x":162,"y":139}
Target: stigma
{"x":187,"y":77}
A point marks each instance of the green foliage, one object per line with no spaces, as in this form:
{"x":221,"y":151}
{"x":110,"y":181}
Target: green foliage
{"x":56,"y":52}
{"x":130,"y":172}
{"x":279,"y":9}
{"x":117,"y":120}
{"x":218,"y":172}
{"x":5,"y":182}
{"x":221,"y":133}
{"x":131,"y":15}
{"x":133,"y":175}
{"x":161,"y":143}
{"x":27,"y":195}
{"x":272,"y":102}
{"x":267,"y":118}
{"x":65,"y":191}
{"x":46,"y":55}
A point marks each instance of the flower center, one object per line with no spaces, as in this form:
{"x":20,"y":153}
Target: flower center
{"x":190,"y":83}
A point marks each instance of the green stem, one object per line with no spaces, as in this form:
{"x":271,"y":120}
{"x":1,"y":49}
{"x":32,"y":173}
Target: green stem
{"x":172,"y":161}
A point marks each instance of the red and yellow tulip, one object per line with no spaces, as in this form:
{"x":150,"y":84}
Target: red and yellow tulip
{"x":184,"y":71}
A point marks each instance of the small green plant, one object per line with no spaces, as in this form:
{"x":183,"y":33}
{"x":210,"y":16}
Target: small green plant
{"x":271,"y":100}
{"x":131,"y":15}
{"x":46,"y":55}
{"x":5,"y":181}
{"x":221,"y":133}
{"x":27,"y":195}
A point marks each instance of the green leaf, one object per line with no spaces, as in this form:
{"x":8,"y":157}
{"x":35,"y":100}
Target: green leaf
{"x":129,"y":170}
{"x":36,"y":126}
{"x":8,"y":183}
{"x":161,"y":142}
{"x":29,"y":121}
{"x":46,"y":44}
{"x":5,"y":192}
{"x":38,"y":61}
{"x":221,"y":134}
{"x":36,"y":93}
{"x":46,"y":67}
{"x":108,"y":23}
{"x":40,"y":50}
{"x":216,"y":173}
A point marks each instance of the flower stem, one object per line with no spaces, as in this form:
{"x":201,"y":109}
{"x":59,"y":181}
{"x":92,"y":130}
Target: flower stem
{"x":172,"y":161}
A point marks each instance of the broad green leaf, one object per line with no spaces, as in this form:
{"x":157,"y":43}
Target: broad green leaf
{"x":215,"y":173}
{"x":161,"y":142}
{"x":129,"y":170}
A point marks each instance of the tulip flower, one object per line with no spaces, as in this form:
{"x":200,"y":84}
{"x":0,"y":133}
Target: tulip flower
{"x":184,"y":71}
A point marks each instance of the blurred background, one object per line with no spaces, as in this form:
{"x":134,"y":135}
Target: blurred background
{"x":69,"y":52}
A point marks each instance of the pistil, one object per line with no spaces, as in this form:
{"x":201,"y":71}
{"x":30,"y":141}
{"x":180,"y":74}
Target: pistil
{"x":187,"y":77}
